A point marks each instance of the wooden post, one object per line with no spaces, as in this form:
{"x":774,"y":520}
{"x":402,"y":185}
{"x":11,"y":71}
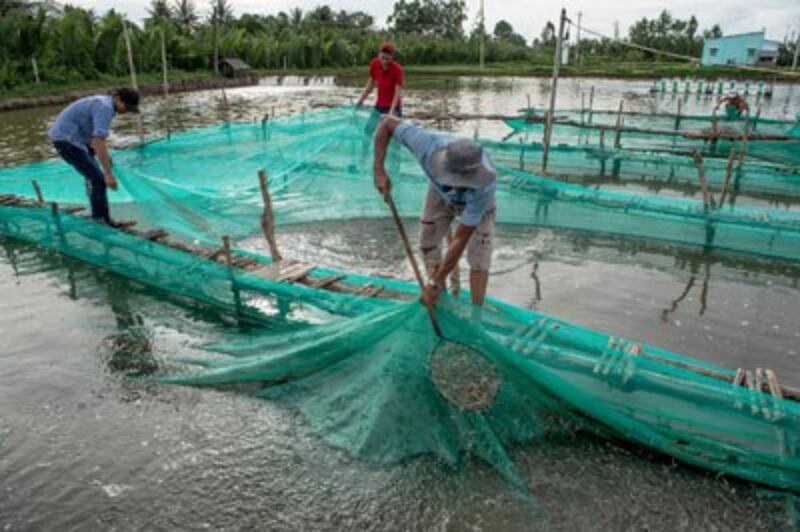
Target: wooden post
{"x":553,"y":90}
{"x":678,"y":115}
{"x":39,"y":197}
{"x":618,"y":136}
{"x":132,"y":69}
{"x":602,"y":138}
{"x":237,"y":298}
{"x":728,"y":171}
{"x":698,"y":162}
{"x":583,"y":106}
{"x":591,"y":103}
{"x":268,"y":218}
{"x":743,"y":150}
{"x":164,"y":63}
{"x":35,"y":70}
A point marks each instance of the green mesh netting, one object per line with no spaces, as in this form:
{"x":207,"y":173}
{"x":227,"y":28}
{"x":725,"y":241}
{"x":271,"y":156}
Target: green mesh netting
{"x":365,"y":372}
{"x":656,"y":170}
{"x":651,"y":132}
{"x":674,"y":121}
{"x":203,"y":184}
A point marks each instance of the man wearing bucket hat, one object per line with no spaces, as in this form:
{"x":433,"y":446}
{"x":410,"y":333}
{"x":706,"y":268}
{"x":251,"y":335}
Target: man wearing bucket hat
{"x":79,"y":133}
{"x":461,"y":179}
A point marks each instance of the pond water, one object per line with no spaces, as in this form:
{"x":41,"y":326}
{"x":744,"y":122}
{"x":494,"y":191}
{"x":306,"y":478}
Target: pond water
{"x":84,"y":447}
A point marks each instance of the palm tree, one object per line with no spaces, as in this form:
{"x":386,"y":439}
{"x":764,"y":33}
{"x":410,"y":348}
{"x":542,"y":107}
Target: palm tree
{"x":185,"y":14}
{"x":159,"y":10}
{"x":221,"y":13}
{"x":296,"y":17}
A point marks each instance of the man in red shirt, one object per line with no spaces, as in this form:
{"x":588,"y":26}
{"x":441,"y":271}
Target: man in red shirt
{"x":387,"y":75}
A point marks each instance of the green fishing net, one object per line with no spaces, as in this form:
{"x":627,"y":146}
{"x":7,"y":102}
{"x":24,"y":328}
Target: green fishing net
{"x":368,"y":374}
{"x":671,"y":133}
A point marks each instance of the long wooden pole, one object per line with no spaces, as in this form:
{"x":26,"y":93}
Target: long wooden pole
{"x":268,"y":218}
{"x":410,"y":254}
{"x":132,"y":69}
{"x":618,"y":134}
{"x":698,"y":162}
{"x":548,"y":132}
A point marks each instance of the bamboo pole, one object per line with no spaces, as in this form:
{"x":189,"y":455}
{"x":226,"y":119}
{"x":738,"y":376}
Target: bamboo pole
{"x":268,"y":218}
{"x":698,"y":162}
{"x":745,"y":137}
{"x":237,"y":298}
{"x":728,"y":171}
{"x":618,"y":134}
{"x":678,"y":115}
{"x":553,"y":89}
{"x":602,"y":138}
{"x":132,"y":69}
{"x":583,"y":106}
{"x":38,"y":191}
{"x":591,"y":103}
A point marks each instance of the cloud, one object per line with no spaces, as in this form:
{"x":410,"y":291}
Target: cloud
{"x":779,"y":17}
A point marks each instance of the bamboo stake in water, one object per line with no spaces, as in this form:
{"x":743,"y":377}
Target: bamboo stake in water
{"x":698,"y":162}
{"x":237,"y":299}
{"x":618,"y":137}
{"x":553,"y":89}
{"x":728,"y":171}
{"x":268,"y":218}
{"x":39,"y":197}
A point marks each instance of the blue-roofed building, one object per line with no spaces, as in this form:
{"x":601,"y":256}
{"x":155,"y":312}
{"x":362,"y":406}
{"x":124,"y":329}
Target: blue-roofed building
{"x":741,"y":49}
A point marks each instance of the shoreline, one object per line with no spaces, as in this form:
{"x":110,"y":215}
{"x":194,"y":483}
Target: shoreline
{"x":188,"y":82}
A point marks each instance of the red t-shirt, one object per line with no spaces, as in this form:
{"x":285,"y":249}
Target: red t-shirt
{"x":386,"y":80}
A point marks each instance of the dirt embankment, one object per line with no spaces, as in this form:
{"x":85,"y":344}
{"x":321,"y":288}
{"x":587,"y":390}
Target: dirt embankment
{"x":183,"y":85}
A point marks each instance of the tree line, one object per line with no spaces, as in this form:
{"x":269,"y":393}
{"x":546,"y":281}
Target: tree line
{"x":70,"y":44}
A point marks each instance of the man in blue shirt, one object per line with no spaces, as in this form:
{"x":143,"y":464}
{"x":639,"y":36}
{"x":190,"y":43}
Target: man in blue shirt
{"x":79,"y":133}
{"x":462,"y":184}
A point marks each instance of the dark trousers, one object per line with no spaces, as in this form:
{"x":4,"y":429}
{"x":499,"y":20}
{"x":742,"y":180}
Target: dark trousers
{"x":398,"y":111}
{"x":84,"y":162}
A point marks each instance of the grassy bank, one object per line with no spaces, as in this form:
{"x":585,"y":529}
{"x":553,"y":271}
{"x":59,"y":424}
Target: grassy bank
{"x":637,"y":70}
{"x":356,"y":74}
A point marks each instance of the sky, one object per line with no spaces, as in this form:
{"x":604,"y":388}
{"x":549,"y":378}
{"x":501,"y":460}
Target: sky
{"x":779,"y":17}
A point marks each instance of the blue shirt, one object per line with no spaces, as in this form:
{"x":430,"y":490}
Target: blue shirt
{"x":470,"y":204}
{"x":83,"y":120}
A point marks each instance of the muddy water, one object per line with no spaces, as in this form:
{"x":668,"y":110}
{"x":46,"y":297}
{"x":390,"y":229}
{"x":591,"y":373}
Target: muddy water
{"x":84,"y":447}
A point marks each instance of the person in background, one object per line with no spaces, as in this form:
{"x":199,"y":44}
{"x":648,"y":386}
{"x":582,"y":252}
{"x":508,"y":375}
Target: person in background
{"x":735,"y":106}
{"x":461,"y":184}
{"x":79,"y":133}
{"x":386,"y":74}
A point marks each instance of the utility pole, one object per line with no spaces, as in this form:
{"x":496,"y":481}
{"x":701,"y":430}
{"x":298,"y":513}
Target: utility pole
{"x":482,"y":16}
{"x":796,"y":51}
{"x":548,"y":131}
{"x":578,"y":58}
